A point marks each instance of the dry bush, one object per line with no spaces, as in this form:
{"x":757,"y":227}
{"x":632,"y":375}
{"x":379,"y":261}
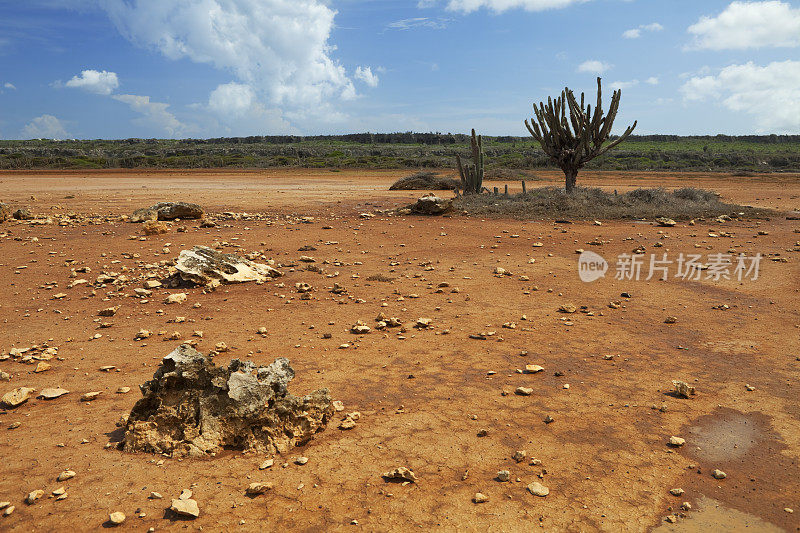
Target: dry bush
{"x":593,"y":203}
{"x":425,"y":181}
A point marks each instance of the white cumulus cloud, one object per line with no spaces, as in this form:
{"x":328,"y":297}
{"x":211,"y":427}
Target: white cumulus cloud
{"x":624,"y":84}
{"x":9,"y":85}
{"x":153,"y":113}
{"x":468,"y":6}
{"x":365,"y":74}
{"x":232,"y":99}
{"x":278,"y":47}
{"x":771,"y":93}
{"x":94,"y":81}
{"x":44,"y":127}
{"x":593,"y":66}
{"x":745,"y":25}
{"x":635,"y":33}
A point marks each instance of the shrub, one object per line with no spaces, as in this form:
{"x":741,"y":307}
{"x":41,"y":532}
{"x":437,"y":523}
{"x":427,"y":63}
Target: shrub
{"x":424,"y":181}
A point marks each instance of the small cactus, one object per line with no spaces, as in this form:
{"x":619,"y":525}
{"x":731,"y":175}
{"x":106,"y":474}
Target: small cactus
{"x":472,"y":175}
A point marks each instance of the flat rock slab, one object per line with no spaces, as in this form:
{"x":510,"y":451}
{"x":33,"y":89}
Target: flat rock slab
{"x":52,"y":394}
{"x":203,"y":265}
{"x":17,"y":397}
{"x":187,"y":508}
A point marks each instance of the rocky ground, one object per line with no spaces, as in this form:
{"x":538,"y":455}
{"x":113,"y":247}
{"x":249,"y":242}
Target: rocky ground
{"x":512,"y":395}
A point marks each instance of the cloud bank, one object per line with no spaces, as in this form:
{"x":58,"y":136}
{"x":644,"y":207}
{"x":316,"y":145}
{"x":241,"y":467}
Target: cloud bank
{"x":769,"y":93}
{"x":744,"y":25}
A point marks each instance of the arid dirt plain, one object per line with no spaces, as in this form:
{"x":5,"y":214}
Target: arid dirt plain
{"x":425,"y":395}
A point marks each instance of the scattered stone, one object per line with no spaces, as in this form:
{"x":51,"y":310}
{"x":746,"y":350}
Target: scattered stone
{"x":537,"y":489}
{"x":480,"y":498}
{"x":142,"y":334}
{"x":177,"y":298}
{"x":676,"y":492}
{"x":116,"y":518}
{"x":108,"y":311}
{"x":52,"y":394}
{"x":155,"y":496}
{"x":256,"y":489}
{"x":301,"y":461}
{"x":266,"y":464}
{"x":123,"y":390}
{"x":533,"y":369}
{"x":719,"y":474}
{"x":423,"y":323}
{"x":568,"y":308}
{"x":349,"y":421}
{"x":187,"y":508}
{"x":523,"y":391}
{"x":8,"y":510}
{"x":167,"y":211}
{"x":154,"y":227}
{"x":665,"y":222}
{"x":65,"y":475}
{"x":360,"y":328}
{"x":22,"y":214}
{"x":32,"y":496}
{"x":503,"y":476}
{"x":221,"y":347}
{"x":17,"y":397}
{"x":5,"y":212}
{"x":90,"y":396}
{"x":204,"y":266}
{"x":519,"y":456}
{"x":192,"y":407}
{"x":400,"y":474}
{"x":431,"y":205}
{"x":676,"y":441}
{"x":683,"y":389}
{"x":671,"y":320}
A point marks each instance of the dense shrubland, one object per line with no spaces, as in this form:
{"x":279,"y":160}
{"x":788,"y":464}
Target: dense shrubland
{"x":400,"y":150}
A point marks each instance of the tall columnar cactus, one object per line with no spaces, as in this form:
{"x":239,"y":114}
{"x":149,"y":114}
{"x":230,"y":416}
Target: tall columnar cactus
{"x":472,"y":175}
{"x":573,"y":140}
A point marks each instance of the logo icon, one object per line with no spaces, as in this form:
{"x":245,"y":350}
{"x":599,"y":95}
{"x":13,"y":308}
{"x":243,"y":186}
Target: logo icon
{"x":591,"y":267}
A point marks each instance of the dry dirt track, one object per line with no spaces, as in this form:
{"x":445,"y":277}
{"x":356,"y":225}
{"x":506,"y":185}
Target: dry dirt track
{"x":604,"y":457}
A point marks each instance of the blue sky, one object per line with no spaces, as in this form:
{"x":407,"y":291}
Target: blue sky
{"x":209,"y":68}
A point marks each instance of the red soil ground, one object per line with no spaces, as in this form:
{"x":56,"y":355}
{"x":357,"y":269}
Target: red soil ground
{"x":423,"y":398}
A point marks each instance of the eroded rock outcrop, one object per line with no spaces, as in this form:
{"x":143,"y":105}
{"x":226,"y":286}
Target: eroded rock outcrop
{"x":431,"y":205}
{"x":205,"y":266}
{"x":191,"y":407}
{"x":5,"y":212}
{"x":168,"y":211}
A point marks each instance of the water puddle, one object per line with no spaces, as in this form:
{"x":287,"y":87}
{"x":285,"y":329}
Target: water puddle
{"x":723,"y":437}
{"x":711,"y":515}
